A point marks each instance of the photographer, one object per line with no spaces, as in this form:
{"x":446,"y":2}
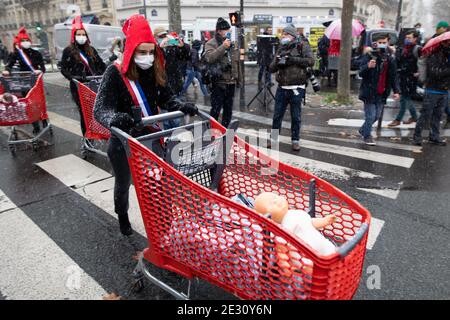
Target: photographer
{"x":222,"y":58}
{"x":291,"y":62}
{"x":379,"y":77}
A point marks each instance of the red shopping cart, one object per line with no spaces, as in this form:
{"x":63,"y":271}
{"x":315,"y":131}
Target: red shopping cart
{"x":96,"y":135}
{"x":196,"y":230}
{"x":30,"y":107}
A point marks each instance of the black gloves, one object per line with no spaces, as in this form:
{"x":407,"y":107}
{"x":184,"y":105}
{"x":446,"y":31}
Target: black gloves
{"x":189,"y":108}
{"x":123,"y":121}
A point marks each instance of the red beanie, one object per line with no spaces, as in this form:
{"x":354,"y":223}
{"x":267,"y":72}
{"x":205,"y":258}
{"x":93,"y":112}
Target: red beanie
{"x":22,"y":35}
{"x":137,"y":30}
{"x":77,"y":24}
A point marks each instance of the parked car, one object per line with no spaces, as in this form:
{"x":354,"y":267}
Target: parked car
{"x":45,"y":53}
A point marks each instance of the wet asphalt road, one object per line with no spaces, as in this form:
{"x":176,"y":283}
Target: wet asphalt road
{"x":411,"y":250}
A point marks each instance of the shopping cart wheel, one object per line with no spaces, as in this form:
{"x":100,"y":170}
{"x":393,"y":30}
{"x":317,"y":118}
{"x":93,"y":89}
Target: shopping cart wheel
{"x":35,"y":146}
{"x":84,"y":154}
{"x":13,"y":149}
{"x":138,"y":281}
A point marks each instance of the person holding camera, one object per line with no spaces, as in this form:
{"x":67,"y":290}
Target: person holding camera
{"x":291,"y":63}
{"x":222,"y":58}
{"x":379,"y":77}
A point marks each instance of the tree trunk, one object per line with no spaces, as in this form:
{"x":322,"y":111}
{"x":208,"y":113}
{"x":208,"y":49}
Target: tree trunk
{"x":343,"y":89}
{"x":174,"y":16}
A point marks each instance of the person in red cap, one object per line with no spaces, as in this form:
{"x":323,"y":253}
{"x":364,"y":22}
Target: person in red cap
{"x":27,"y":59}
{"x":80,"y":60}
{"x":139,"y":82}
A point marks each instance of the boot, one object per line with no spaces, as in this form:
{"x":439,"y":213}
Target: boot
{"x":410,"y":121}
{"x":394,"y":123}
{"x":124,"y":224}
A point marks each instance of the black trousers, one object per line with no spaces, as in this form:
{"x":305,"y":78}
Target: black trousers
{"x":222,"y":96}
{"x":119,"y":163}
{"x":76,"y":99}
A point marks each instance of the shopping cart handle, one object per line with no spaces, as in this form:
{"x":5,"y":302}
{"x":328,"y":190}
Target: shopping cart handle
{"x":345,"y":249}
{"x":162,"y":117}
{"x":93,"y":78}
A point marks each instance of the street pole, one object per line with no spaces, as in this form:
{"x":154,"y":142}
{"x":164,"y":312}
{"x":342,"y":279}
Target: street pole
{"x":399,"y":15}
{"x":145,"y":9}
{"x":242,"y":58}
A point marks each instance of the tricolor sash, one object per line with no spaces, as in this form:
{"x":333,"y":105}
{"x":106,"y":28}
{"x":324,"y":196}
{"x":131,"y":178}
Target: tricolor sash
{"x":85,"y":61}
{"x":25,"y":59}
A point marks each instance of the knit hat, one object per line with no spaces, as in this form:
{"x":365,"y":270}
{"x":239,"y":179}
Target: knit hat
{"x":442,"y":24}
{"x":222,"y":24}
{"x":137,"y":31}
{"x":22,"y":35}
{"x":292,"y":30}
{"x":77,"y":24}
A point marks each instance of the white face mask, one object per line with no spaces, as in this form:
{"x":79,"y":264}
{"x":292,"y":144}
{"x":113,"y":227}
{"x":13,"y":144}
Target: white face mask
{"x":26,"y":44}
{"x":81,"y":39}
{"x":144,"y":62}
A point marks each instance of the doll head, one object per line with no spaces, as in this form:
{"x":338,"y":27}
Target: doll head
{"x":272,"y":203}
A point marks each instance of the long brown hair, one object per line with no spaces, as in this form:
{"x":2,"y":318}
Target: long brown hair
{"x":158,"y":67}
{"x":75,"y":51}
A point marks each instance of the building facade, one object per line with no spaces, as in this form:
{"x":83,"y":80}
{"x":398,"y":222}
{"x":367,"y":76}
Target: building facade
{"x":39,"y":17}
{"x":376,"y":13}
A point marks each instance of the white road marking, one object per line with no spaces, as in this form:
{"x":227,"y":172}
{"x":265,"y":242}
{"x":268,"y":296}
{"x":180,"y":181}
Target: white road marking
{"x":65,"y":123}
{"x":357,"y":123}
{"x":387,"y":193}
{"x":34,"y":267}
{"x":374,"y":232}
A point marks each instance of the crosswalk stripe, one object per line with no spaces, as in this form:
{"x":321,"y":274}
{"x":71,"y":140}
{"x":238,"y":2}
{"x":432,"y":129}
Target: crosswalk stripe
{"x":357,"y":123}
{"x":65,"y":123}
{"x":34,"y":267}
{"x":93,"y":184}
{"x":344,"y":151}
{"x":375,"y":229}
{"x":387,"y":193}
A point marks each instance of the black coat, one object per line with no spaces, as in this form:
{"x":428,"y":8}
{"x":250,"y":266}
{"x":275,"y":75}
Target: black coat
{"x":438,"y":71}
{"x":370,"y":77}
{"x":176,"y":59}
{"x":407,"y":67}
{"x":113,"y":96}
{"x":35,"y":56}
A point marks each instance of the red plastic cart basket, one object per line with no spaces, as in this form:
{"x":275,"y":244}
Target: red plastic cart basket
{"x":29,"y":109}
{"x":94,"y":130}
{"x":197,"y":232}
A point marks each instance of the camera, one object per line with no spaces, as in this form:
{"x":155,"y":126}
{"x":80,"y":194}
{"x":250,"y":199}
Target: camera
{"x":282,"y":62}
{"x":314,"y":82}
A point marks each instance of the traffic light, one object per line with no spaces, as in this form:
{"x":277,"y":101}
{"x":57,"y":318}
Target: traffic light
{"x":235,"y":19}
{"x":38,"y":27}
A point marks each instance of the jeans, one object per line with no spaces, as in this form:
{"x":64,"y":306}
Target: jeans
{"x":119,"y":163}
{"x":170,"y":124}
{"x":284,"y":98}
{"x":190,"y":75}
{"x":372,"y":112}
{"x":406,"y":103}
{"x":433,"y":106}
{"x":222,"y":96}
{"x":264,"y":70}
{"x":447,"y":108}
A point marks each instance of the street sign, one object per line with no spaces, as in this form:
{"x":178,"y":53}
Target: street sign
{"x":263,"y":18}
{"x":142,"y":11}
{"x":288,"y":19}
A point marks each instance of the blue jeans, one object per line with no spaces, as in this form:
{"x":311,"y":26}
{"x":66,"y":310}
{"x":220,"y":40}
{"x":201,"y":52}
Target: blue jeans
{"x":170,"y":124}
{"x":372,"y":112}
{"x":433,"y":106}
{"x":406,"y":103}
{"x":190,"y":75}
{"x":284,"y":98}
{"x":447,"y":108}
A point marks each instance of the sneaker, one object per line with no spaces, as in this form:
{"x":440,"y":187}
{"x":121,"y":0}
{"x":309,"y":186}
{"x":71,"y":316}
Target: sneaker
{"x":410,"y":121}
{"x":295,"y":146}
{"x":441,"y":143}
{"x":394,"y":123}
{"x":369,"y":141}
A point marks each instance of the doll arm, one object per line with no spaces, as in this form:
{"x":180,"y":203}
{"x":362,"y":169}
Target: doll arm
{"x":320,"y":223}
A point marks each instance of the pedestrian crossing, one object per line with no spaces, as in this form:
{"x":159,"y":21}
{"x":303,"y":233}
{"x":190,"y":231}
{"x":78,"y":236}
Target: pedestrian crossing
{"x":96,"y":185}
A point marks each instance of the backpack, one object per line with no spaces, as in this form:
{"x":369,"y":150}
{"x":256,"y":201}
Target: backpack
{"x":210,"y":72}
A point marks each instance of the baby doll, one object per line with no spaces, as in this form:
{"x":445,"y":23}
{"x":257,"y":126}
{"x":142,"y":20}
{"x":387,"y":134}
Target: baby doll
{"x":8,"y":98}
{"x":297,"y":221}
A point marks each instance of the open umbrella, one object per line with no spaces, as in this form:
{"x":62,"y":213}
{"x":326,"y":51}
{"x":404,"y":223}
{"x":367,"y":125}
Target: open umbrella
{"x":434,"y":43}
{"x":333,"y":32}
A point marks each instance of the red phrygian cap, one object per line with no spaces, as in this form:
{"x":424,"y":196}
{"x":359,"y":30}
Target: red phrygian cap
{"x":77,"y":24}
{"x":137,"y":30}
{"x":22,"y":35}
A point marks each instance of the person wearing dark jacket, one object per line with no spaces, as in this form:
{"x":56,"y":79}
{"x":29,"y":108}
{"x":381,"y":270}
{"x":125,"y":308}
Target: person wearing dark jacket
{"x":408,"y":72}
{"x":28,"y":59}
{"x":139,"y":81}
{"x":291,"y":62}
{"x":266,"y":47}
{"x":379,"y":78}
{"x":80,"y":60}
{"x":192,"y":69}
{"x":222,"y":57}
{"x":437,"y":87}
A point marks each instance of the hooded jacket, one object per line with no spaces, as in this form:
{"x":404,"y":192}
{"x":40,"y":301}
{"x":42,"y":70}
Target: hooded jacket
{"x":35,"y":56}
{"x":438,"y":71}
{"x":299,"y":58}
{"x":407,"y":66}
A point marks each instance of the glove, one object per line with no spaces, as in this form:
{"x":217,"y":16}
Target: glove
{"x":123,"y":121}
{"x":189,"y":108}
